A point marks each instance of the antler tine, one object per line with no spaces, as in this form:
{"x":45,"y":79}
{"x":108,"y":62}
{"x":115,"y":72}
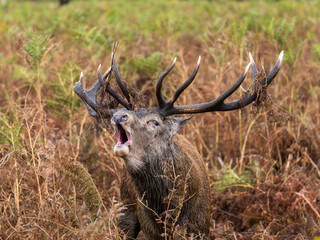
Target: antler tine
{"x":253,"y":66}
{"x":218,"y":104}
{"x":161,"y":100}
{"x":233,"y":88}
{"x":186,"y":84}
{"x":89,"y":98}
{"x":274,"y":71}
{"x":113,"y":93}
{"x":119,"y":80}
{"x":250,"y":97}
{"x":102,"y":78}
{"x":107,"y":73}
{"x":206,"y":107}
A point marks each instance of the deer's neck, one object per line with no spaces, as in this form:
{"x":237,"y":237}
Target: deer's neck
{"x":155,"y":180}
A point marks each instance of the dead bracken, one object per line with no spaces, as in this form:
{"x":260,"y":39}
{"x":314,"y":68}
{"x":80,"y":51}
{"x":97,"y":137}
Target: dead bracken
{"x":264,"y":169}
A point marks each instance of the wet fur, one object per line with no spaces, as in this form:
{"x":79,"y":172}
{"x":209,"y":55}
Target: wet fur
{"x":151,"y":184}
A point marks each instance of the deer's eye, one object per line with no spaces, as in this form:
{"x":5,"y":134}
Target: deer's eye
{"x":153,"y":122}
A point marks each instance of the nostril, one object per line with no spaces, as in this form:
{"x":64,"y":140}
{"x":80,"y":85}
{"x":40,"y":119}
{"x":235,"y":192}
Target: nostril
{"x":120,"y":118}
{"x":124,"y":118}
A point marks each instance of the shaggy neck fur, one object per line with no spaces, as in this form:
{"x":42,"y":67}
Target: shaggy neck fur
{"x":152,"y":182}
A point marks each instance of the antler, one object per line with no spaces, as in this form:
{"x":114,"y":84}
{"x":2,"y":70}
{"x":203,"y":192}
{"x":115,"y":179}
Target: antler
{"x":168,"y":108}
{"x":89,"y":97}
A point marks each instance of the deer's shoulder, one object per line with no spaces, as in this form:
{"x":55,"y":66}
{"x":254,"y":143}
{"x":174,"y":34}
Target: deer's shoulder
{"x":187,"y":148}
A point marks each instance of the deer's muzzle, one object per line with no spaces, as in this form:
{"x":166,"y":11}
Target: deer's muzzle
{"x":117,"y":119}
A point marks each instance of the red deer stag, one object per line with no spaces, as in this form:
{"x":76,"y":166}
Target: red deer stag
{"x":165,"y":183}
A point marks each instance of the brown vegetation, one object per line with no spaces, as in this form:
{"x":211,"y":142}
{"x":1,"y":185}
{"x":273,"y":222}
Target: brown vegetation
{"x":58,"y":176}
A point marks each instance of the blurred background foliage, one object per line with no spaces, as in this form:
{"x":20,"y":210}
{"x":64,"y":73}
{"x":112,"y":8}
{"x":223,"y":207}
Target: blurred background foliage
{"x":46,"y":136}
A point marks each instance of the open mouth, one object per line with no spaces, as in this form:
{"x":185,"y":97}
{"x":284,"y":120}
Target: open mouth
{"x":123,"y":136}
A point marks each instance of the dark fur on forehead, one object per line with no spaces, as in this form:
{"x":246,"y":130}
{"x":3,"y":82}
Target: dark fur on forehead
{"x":145,"y":111}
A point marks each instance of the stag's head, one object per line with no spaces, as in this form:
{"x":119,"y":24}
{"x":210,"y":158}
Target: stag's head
{"x":142,"y":131}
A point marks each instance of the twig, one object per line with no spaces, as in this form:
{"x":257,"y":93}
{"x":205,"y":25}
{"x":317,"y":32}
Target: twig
{"x":309,"y":203}
{"x":312,"y":162}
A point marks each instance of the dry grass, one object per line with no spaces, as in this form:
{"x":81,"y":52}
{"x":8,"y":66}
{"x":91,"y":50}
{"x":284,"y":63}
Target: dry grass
{"x":58,"y":177}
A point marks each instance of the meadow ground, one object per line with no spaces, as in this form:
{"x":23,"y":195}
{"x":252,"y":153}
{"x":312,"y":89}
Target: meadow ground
{"x":58,"y":177}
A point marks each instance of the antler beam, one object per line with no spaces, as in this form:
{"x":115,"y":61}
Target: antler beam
{"x":167,"y":108}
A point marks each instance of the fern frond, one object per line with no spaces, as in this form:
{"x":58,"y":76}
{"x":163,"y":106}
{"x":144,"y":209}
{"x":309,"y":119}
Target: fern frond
{"x":36,"y":48}
{"x":87,"y":188}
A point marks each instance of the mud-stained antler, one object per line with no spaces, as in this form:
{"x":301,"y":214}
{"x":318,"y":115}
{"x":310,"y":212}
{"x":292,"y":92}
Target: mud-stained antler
{"x":89,"y":97}
{"x":168,"y":108}
{"x":119,"y":80}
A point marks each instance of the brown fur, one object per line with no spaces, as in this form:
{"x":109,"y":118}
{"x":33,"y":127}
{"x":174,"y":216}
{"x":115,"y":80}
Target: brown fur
{"x":172,"y":180}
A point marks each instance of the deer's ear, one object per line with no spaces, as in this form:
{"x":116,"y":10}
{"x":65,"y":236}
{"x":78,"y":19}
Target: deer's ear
{"x":178,"y":122}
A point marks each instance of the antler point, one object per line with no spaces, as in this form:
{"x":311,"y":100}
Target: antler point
{"x":199,"y":60}
{"x":243,"y":89}
{"x":251,"y":58}
{"x":281,"y":57}
{"x":109,"y":69}
{"x":248,"y":66}
{"x":174,"y":60}
{"x":80,"y":82}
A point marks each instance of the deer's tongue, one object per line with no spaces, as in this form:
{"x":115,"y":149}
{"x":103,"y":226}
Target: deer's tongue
{"x":121,"y":149}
